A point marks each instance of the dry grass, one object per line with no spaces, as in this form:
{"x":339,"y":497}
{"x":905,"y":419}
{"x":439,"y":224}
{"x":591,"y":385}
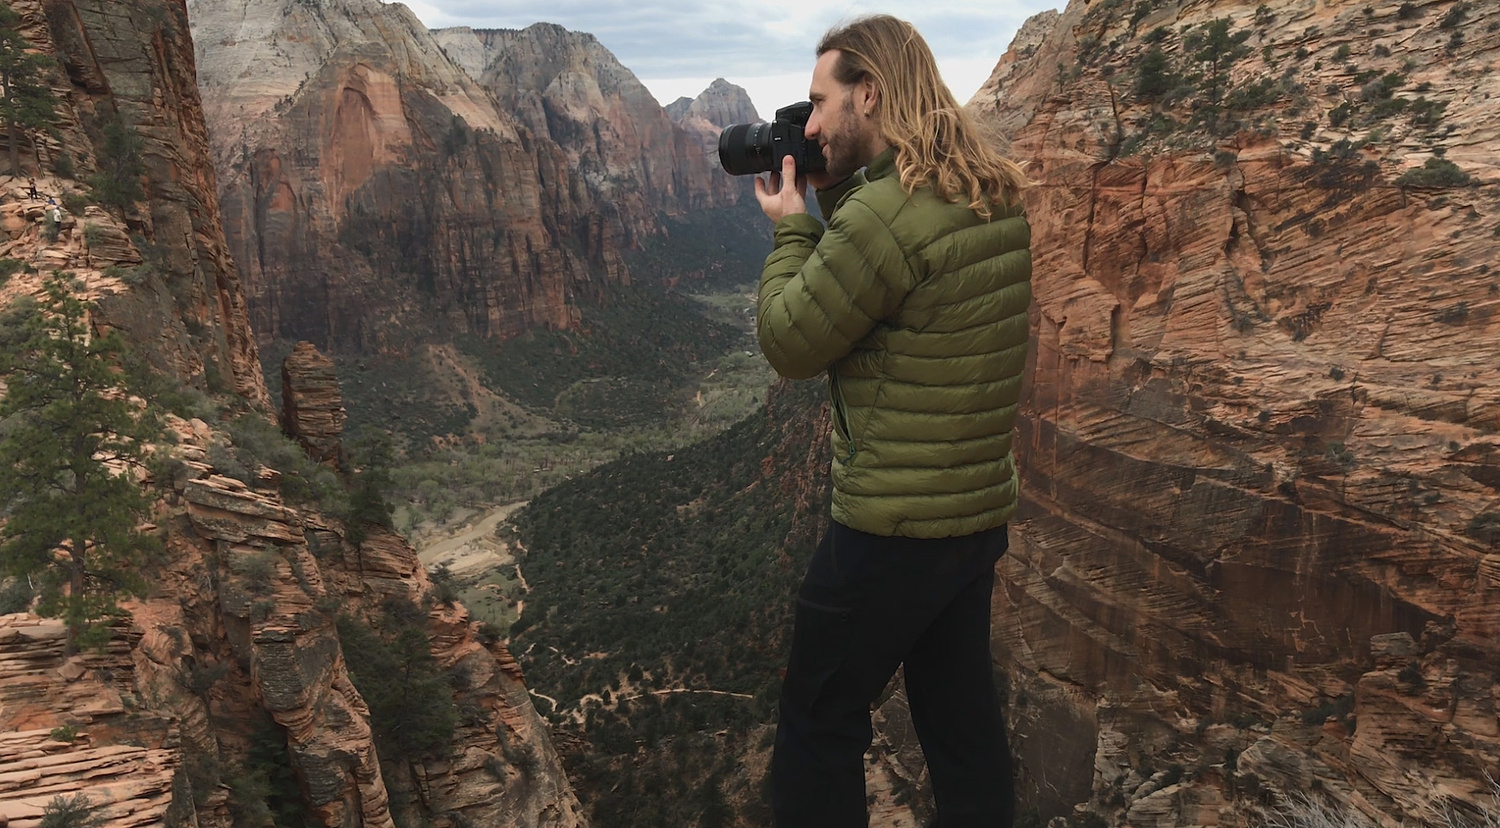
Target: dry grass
{"x":1305,"y":811}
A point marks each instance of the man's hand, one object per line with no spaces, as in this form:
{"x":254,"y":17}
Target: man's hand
{"x":777,"y":200}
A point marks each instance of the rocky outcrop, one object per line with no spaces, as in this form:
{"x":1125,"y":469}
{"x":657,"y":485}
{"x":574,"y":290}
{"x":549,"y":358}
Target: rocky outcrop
{"x":312,"y":408}
{"x":1257,"y":551}
{"x":705,"y":116}
{"x":720,"y":105}
{"x":130,"y":66}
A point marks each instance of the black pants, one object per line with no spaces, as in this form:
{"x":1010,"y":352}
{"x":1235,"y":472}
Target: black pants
{"x":867,"y":605}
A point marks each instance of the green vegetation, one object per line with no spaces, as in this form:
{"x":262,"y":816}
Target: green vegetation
{"x":26,"y":102}
{"x":412,"y":714}
{"x":9,"y":268}
{"x":661,"y":583}
{"x":118,"y":182}
{"x":1437,"y":172}
{"x":75,"y":811}
{"x":1485,"y":528}
{"x":630,"y":362}
{"x":1154,"y":77}
{"x":74,"y":443}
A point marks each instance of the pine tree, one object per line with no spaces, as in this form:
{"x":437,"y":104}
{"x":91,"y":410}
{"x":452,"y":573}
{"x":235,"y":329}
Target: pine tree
{"x":26,"y":103}
{"x":72,"y":441}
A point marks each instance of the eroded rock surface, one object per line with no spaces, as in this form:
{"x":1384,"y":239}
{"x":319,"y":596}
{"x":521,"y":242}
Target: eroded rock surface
{"x":1262,"y":429}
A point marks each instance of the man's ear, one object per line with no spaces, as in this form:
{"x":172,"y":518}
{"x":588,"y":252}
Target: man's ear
{"x":866,"y":96}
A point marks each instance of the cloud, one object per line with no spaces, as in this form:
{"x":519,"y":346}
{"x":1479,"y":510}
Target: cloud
{"x":762,"y":46}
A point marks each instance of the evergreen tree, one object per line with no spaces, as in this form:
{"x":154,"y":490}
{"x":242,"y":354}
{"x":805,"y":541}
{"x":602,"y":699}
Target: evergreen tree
{"x":72,"y":441}
{"x":1216,"y":49}
{"x":26,"y":103}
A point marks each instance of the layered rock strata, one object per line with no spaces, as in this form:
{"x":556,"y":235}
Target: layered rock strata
{"x":131,"y":65}
{"x":312,"y":406}
{"x":239,"y":623}
{"x":382,"y":184}
{"x":1258,"y":550}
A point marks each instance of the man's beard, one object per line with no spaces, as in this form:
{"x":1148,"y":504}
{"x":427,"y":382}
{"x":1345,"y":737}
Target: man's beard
{"x":842,"y":149}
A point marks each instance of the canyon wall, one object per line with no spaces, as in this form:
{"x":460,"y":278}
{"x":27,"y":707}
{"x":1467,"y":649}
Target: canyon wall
{"x":1260,"y":547}
{"x":384,"y":185}
{"x":227,"y":692}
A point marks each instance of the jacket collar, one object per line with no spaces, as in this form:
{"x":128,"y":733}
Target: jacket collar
{"x":884,"y":165}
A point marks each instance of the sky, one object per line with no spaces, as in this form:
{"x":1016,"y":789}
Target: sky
{"x":678,"y":47}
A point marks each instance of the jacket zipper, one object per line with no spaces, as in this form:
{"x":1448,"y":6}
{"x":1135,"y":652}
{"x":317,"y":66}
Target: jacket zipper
{"x":840,"y":418}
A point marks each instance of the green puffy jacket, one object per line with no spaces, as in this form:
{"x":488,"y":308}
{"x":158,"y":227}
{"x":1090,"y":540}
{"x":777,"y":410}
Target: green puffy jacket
{"x":917,"y":309}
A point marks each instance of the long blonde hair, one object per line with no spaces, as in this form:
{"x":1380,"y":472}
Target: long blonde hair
{"x":937,"y":142}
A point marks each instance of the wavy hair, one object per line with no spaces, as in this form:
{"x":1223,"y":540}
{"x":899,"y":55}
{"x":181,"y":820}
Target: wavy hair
{"x":937,"y":142}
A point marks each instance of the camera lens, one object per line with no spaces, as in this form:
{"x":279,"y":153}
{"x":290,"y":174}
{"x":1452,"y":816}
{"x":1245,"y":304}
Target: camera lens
{"x":745,"y":149}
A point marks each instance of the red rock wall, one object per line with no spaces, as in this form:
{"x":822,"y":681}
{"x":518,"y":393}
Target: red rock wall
{"x":1261,"y":431}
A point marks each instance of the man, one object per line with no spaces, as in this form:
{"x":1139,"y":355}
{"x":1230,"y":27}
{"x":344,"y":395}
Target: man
{"x":914,"y":301}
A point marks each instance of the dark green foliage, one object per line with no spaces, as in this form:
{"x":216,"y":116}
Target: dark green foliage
{"x":1437,"y":172}
{"x":1455,"y":16}
{"x":1339,"y":114}
{"x":26,"y":102}
{"x":1382,"y":51}
{"x":61,"y":421}
{"x":16,"y":595}
{"x":1216,"y":49}
{"x":1158,"y":35}
{"x":118,"y":182}
{"x":1426,"y":113}
{"x":70,"y":812}
{"x":1309,"y":129}
{"x":411,"y":705}
{"x":1142,"y":10}
{"x":1264,"y":15}
{"x":1154,"y":76}
{"x":456,"y":139}
{"x":371,"y":456}
{"x":75,"y":203}
{"x":1343,"y":53}
{"x":1406,"y":11}
{"x":444,"y":588}
{"x":680,"y":570}
{"x":9,"y":268}
{"x":255,"y":442}
{"x":1383,"y":88}
{"x":631,"y":362}
{"x":273,"y":778}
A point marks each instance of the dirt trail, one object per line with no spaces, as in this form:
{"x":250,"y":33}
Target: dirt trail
{"x":473,"y":547}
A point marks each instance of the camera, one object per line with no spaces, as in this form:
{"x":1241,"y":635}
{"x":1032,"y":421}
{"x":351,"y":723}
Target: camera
{"x":747,"y":149}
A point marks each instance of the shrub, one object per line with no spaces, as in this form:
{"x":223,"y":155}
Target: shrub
{"x":1343,"y":52}
{"x":1382,"y":51}
{"x":118,"y":182}
{"x":1406,"y":11}
{"x":75,"y":203}
{"x":70,"y":812}
{"x":1339,"y":114}
{"x":1309,"y":129}
{"x":64,"y":733}
{"x":1455,"y":16}
{"x":1437,"y":172}
{"x":9,"y":268}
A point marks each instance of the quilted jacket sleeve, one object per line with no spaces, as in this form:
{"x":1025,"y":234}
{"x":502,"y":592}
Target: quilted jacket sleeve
{"x":823,"y":291}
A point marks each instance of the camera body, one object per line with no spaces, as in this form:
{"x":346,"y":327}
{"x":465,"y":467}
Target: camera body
{"x":747,"y":149}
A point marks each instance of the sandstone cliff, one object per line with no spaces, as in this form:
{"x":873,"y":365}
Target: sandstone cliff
{"x":227,"y":693}
{"x":132,"y":65}
{"x":1259,"y":548}
{"x":383,"y":185}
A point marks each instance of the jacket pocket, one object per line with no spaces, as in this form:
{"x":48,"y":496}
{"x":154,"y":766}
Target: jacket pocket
{"x":840,"y":417}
